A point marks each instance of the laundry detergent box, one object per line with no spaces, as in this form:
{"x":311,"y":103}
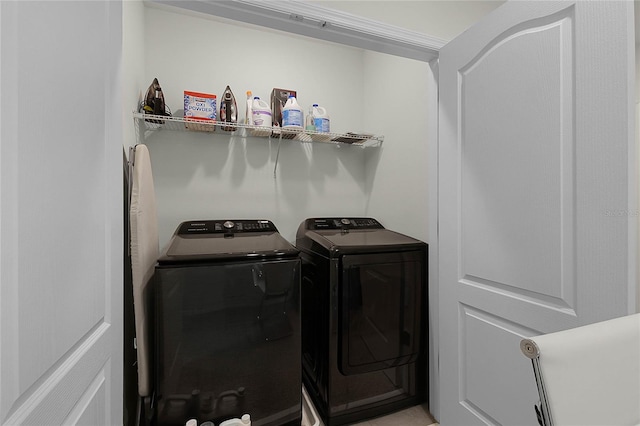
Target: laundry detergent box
{"x":278,"y":99}
{"x":199,"y":111}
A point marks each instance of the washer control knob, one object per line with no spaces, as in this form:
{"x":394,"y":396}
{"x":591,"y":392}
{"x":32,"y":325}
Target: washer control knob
{"x":345,"y":221}
{"x":228,"y":224}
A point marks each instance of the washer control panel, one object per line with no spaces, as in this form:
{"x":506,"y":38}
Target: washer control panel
{"x":194,"y":227}
{"x":343,"y":223}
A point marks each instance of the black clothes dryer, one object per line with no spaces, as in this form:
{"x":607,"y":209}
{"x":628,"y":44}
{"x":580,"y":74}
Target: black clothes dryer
{"x":228,"y":325}
{"x":364,"y":299}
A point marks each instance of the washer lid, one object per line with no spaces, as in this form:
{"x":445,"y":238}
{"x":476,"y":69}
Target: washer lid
{"x":342,"y":235}
{"x":217,"y":240}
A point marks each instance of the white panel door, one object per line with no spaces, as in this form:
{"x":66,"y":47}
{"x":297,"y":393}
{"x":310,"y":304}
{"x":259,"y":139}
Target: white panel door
{"x":537,"y":205}
{"x":60,"y":213}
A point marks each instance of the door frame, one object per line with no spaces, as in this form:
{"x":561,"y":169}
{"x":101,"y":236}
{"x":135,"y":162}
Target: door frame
{"x":319,"y":22}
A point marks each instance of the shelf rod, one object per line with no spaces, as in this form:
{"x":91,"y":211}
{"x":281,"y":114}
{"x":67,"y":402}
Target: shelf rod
{"x":275,"y":166}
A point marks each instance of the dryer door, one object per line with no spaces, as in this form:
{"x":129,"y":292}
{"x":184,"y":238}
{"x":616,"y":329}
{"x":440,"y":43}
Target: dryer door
{"x":380,"y":310}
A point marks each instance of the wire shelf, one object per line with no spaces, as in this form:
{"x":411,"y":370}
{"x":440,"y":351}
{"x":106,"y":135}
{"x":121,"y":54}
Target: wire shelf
{"x":159,"y":122}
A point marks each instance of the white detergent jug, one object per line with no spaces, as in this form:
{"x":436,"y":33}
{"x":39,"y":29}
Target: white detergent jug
{"x":321,"y":119}
{"x":245,"y":420}
{"x":292,"y":116}
{"x":260,"y":113}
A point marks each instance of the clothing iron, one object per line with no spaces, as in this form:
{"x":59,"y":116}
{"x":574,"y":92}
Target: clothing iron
{"x":228,"y":110}
{"x":154,"y":102}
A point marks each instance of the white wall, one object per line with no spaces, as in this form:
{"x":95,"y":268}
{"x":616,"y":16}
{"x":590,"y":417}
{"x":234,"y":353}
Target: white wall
{"x":397,"y":173}
{"x":201,"y":175}
{"x":134,"y":84}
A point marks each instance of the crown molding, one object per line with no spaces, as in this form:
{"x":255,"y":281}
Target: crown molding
{"x":312,"y":20}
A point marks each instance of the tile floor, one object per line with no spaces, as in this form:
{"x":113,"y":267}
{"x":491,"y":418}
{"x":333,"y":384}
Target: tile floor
{"x":417,"y":415}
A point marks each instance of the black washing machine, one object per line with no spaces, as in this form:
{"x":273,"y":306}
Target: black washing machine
{"x":228,"y":325}
{"x":364,"y":332}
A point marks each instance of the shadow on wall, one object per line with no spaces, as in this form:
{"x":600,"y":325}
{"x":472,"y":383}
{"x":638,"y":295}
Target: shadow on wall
{"x":208,"y":175}
{"x":175,"y":158}
{"x":372,"y":160}
{"x":178,"y":155}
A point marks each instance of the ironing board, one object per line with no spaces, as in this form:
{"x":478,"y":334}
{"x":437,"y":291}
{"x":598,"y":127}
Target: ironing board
{"x":588,"y":375}
{"x":144,"y":254}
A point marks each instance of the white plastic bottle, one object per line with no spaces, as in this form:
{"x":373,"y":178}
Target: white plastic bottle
{"x":292,"y":117}
{"x":248,"y":116}
{"x":260,"y":113}
{"x":309,"y":124}
{"x":321,"y":119}
{"x":245,"y":420}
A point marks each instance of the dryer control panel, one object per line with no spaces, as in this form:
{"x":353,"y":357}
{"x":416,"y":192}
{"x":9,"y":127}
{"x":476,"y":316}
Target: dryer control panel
{"x":343,"y":223}
{"x":194,"y":227}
